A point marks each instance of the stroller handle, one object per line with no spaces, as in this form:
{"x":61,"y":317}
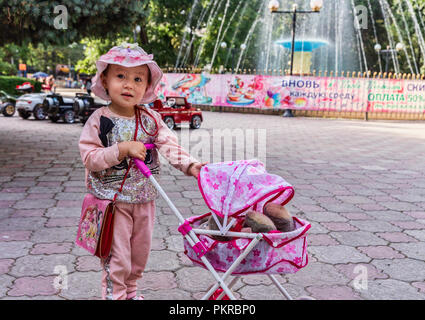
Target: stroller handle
{"x":141,"y":165}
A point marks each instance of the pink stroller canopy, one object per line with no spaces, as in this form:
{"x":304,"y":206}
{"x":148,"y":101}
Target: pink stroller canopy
{"x":230,"y":188}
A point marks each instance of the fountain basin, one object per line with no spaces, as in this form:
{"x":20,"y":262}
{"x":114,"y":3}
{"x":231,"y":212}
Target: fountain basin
{"x":302,"y":45}
{"x":303,"y":50}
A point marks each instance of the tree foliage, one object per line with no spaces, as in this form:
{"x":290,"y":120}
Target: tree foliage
{"x":173,"y":37}
{"x":35,"y":21}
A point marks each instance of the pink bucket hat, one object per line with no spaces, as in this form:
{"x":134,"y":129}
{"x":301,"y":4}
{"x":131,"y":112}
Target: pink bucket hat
{"x":127,"y":55}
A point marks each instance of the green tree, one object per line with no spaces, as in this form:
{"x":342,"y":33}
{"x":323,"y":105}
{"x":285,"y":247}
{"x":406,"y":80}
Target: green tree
{"x":36,"y":22}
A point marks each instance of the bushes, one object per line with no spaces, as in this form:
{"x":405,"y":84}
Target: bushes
{"x":7,"y":68}
{"x":8,"y":84}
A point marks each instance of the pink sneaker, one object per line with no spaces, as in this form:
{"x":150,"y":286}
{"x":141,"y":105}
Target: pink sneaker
{"x":134,"y":296}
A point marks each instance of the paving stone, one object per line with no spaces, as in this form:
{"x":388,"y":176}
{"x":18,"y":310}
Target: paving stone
{"x":157,"y":244}
{"x":390,"y":215}
{"x":402,"y":269}
{"x":12,"y":196}
{"x":42,"y":190}
{"x":333,"y":293}
{"x":355,"y":199}
{"x":51,"y":248}
{"x":32,"y":286}
{"x":418,"y":234}
{"x":260,"y":292}
{"x":409,"y":225}
{"x":7,"y":203}
{"x":356,"y":216}
{"x":31,"y":223}
{"x":69,"y":204}
{"x":338,"y":226}
{"x":324,"y":217}
{"x":5,"y":265}
{"x":391,"y":289}
{"x":420,"y":285}
{"x":184,"y":260}
{"x":330,"y":191}
{"x":342,"y":207}
{"x":14,"y":249}
{"x":168,"y":220}
{"x":411,"y":250}
{"x":35,"y":204}
{"x":371,"y":207}
{"x":14,"y":235}
{"x":409,"y":197}
{"x":401,"y":206}
{"x":357,"y":238}
{"x":6,"y":283}
{"x":337,"y":254}
{"x":88,"y":263}
{"x":168,"y":294}
{"x":321,"y":240}
{"x":175,"y":243}
{"x":83,"y":286}
{"x":157,"y":281}
{"x":58,"y":234}
{"x":32,"y":196}
{"x":255,"y":279}
{"x":381,"y":252}
{"x":397,"y":236}
{"x":46,"y":265}
{"x":417,"y":215}
{"x":70,"y":196}
{"x":162,"y":261}
{"x":62,"y":222}
{"x":57,"y":212}
{"x":317,"y":228}
{"x":316,"y":274}
{"x":160,"y":231}
{"x":194,"y":279}
{"x":353,"y":270}
{"x":374,"y":226}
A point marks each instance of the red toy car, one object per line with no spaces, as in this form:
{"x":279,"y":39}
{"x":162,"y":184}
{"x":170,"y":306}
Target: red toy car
{"x":177,"y":110}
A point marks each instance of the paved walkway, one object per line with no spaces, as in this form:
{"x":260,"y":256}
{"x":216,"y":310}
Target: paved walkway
{"x":361,"y":185}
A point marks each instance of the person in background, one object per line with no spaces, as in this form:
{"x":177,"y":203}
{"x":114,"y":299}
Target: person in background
{"x":88,"y":86}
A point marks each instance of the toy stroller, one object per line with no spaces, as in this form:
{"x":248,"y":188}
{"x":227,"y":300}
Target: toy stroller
{"x":229,"y":190}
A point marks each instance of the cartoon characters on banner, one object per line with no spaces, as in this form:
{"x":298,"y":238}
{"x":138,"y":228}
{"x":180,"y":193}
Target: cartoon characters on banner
{"x":161,"y":90}
{"x":277,"y":96}
{"x":193,"y":87}
{"x":241,"y":95}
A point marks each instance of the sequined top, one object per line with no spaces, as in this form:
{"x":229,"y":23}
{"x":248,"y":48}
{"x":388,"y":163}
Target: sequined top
{"x":99,"y":151}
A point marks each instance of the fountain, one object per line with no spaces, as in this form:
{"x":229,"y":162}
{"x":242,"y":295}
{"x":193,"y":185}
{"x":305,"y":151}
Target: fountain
{"x":342,"y":45}
{"x":303,"y":53}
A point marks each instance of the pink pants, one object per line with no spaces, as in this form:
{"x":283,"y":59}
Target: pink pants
{"x":131,"y":243}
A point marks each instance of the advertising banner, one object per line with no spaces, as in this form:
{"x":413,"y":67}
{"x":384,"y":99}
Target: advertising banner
{"x":299,"y":93}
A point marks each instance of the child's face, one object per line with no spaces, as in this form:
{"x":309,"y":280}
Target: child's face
{"x":126,"y":85}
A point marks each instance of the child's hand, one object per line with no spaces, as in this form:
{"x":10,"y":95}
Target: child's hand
{"x":134,"y":149}
{"x":195,"y":168}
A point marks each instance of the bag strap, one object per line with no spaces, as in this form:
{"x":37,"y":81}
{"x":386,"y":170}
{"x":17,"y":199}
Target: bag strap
{"x":137,"y":116}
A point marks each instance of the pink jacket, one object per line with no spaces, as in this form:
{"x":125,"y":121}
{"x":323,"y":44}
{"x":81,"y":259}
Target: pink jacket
{"x":104,"y":172}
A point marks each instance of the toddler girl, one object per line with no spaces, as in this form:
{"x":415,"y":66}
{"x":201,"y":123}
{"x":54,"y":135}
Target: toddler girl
{"x":127,"y":76}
